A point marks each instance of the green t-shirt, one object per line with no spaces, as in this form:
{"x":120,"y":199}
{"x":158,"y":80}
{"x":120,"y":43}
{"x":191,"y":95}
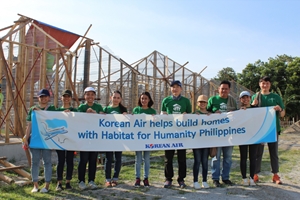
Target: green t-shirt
{"x":217,"y":103}
{"x":49,"y":108}
{"x":172,"y":106}
{"x":199,"y":112}
{"x":112,"y":110}
{"x":140,"y":110}
{"x":1,"y":100}
{"x":71,"y":109}
{"x":83,"y":107}
{"x":271,"y":99}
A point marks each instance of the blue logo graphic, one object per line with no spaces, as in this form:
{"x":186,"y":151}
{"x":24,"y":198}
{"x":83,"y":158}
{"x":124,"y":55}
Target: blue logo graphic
{"x":53,"y":128}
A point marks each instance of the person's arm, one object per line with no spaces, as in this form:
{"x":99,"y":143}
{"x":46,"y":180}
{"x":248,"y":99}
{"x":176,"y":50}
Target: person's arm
{"x":27,"y":135}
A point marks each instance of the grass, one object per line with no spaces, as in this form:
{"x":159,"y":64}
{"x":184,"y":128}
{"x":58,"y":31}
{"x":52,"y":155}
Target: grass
{"x":288,"y":159}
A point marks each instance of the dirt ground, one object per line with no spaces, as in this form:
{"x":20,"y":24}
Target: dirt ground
{"x":267,"y":190}
{"x":264,"y":190}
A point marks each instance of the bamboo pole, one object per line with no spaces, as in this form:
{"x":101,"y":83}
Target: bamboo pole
{"x":16,"y":169}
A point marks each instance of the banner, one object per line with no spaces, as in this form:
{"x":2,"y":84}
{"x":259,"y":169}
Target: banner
{"x":117,"y":132}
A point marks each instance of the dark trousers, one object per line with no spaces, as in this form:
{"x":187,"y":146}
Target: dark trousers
{"x":108,"y":163}
{"x":91,"y":158}
{"x":68,"y":157}
{"x":273,"y":151}
{"x":200,"y":156}
{"x":252,"y":158}
{"x":181,"y":158}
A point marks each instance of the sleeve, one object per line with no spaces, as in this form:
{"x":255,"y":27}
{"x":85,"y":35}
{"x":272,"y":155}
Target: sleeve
{"x":209,"y":104}
{"x":163,"y":105}
{"x":280,"y":102}
{"x":28,"y":118}
{"x":134,"y":110}
{"x":189,"y":106}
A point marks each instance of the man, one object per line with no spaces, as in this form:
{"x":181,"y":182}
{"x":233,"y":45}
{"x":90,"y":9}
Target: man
{"x":175,"y":104}
{"x":218,"y":104}
{"x":266,"y":98}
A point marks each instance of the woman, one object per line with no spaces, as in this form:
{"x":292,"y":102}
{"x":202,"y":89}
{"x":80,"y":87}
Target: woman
{"x":88,"y":156}
{"x":116,"y":107}
{"x":201,"y":154}
{"x":37,"y":154}
{"x":65,"y":156}
{"x":145,"y":102}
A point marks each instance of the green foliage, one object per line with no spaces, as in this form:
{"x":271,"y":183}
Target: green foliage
{"x":284,"y":72}
{"x":227,"y":73}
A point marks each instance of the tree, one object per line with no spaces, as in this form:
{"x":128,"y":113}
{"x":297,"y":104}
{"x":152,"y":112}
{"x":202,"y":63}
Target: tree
{"x":227,"y":73}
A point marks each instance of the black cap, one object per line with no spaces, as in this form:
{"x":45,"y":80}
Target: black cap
{"x":176,"y":83}
{"x":67,"y":92}
{"x":44,"y":92}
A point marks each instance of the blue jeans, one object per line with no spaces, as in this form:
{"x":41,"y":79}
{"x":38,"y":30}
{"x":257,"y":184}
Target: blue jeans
{"x":36,"y":155}
{"x":138,"y":162}
{"x":200,"y":156}
{"x":227,"y":161}
{"x":108,"y":162}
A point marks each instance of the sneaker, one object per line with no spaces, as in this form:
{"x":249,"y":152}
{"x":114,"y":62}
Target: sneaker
{"x":59,"y":187}
{"x":168,"y":184}
{"x":227,"y":182}
{"x":34,"y":190}
{"x":205,"y":185}
{"x":68,"y":186}
{"x":255,"y":178}
{"x":44,"y":190}
{"x":92,"y":185}
{"x":107,"y":184}
{"x":245,"y":182}
{"x":216,"y":183}
{"x":182,"y":184}
{"x":276,"y":179}
{"x":196,"y":185}
{"x":146,"y":182}
{"x":114,"y":183}
{"x":252,"y":183}
{"x":82,"y":185}
{"x":137,"y":182}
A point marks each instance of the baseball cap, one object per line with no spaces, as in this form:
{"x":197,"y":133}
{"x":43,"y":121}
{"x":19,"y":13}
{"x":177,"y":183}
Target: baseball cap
{"x":176,"y":82}
{"x":89,"y":89}
{"x":67,"y":92}
{"x":43,"y":92}
{"x":245,"y":93}
{"x":202,"y":98}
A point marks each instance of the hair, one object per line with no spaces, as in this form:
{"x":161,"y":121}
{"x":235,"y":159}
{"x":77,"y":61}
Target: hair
{"x":122,"y":108}
{"x":226,"y":83}
{"x":265,"y":78}
{"x":150,"y":103}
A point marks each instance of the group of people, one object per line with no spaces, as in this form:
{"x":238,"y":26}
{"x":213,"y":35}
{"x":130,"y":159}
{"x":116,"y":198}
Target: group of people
{"x":173,"y":104}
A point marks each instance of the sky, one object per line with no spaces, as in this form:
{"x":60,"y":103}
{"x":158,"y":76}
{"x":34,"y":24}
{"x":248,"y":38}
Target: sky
{"x":206,"y":33}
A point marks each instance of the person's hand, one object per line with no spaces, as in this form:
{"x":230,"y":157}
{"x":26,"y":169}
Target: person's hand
{"x":218,"y":111}
{"x":255,"y":102}
{"x":243,"y":108}
{"x":25,"y":143}
{"x":67,"y":110}
{"x":36,"y":108}
{"x":89,"y":110}
{"x":278,"y":108}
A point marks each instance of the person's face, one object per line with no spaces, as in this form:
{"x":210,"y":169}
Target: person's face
{"x":245,"y":100}
{"x":202,"y":104}
{"x":265,"y":86}
{"x":224,"y":90}
{"x":44,"y":99}
{"x":144,"y":100}
{"x":116,"y":99}
{"x":66,"y":99}
{"x":176,"y":90}
{"x":90,"y":97}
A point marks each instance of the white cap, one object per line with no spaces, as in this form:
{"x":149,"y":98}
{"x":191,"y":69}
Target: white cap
{"x":89,"y":89}
{"x":245,"y":93}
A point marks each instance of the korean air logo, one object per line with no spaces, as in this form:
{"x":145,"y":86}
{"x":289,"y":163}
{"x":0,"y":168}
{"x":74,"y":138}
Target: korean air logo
{"x":163,"y":145}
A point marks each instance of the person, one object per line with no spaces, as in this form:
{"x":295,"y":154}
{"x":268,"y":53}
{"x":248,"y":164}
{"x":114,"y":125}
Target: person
{"x":266,"y":98}
{"x":245,"y":98}
{"x":88,"y":156}
{"x":201,"y":154}
{"x":175,"y":104}
{"x":144,"y":106}
{"x":37,"y":154}
{"x":218,"y":104}
{"x":65,"y":156}
{"x":115,"y":108}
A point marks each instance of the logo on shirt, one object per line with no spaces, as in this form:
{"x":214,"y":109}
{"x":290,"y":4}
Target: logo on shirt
{"x":176,"y":109}
{"x":223,"y":107}
{"x":114,"y":112}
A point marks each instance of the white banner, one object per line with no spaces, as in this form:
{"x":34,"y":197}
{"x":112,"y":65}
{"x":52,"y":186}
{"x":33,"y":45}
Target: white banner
{"x":116,"y":132}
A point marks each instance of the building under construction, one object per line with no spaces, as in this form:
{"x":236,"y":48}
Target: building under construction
{"x":36,"y":55}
